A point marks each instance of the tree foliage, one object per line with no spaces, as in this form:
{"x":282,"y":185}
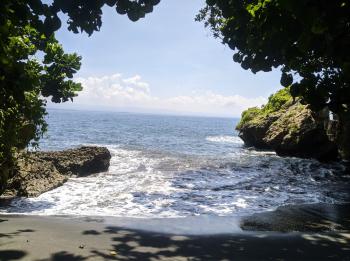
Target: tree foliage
{"x":307,"y":39}
{"x":33,"y":64}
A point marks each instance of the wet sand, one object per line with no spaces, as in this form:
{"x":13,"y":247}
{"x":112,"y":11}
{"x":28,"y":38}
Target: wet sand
{"x":306,"y":218}
{"x":276,"y":235}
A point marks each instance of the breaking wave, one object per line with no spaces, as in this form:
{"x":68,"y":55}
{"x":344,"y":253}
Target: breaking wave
{"x":164,"y":166}
{"x":225,"y":139}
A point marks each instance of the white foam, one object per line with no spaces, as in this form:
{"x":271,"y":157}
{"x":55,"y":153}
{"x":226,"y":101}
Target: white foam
{"x":142,"y":185}
{"x":225,"y":139}
{"x":112,"y":193}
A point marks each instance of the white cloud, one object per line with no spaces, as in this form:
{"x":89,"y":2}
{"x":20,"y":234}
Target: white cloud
{"x":120,"y":93}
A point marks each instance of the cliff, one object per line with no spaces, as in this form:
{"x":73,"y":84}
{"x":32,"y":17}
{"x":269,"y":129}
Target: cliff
{"x":289,"y":128}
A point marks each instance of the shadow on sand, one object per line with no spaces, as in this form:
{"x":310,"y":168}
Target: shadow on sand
{"x":128,"y":244}
{"x":92,"y":239}
{"x":139,"y":245}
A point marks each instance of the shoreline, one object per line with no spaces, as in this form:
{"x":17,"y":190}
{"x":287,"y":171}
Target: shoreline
{"x":104,"y":238}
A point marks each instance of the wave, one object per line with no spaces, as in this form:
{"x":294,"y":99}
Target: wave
{"x":146,"y":184}
{"x":225,"y":139}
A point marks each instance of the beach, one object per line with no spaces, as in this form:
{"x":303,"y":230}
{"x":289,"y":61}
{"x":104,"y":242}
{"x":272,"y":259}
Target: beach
{"x":194,"y":194}
{"x":106,"y":238}
{"x":128,"y":133}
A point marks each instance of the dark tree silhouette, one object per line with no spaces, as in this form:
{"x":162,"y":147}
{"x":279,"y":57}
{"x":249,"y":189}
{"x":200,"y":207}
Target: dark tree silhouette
{"x":27,"y":28}
{"x":307,"y":39}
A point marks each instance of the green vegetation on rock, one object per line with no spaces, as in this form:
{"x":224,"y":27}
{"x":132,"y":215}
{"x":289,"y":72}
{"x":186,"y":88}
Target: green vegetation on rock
{"x":248,"y":115}
{"x":275,"y":103}
{"x":288,"y":127}
{"x":277,"y":100}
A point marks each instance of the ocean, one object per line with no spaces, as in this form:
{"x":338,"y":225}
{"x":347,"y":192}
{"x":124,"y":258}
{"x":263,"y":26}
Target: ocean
{"x":176,"y":166}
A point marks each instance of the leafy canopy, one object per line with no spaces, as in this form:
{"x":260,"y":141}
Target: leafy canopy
{"x":307,"y":39}
{"x":33,"y":64}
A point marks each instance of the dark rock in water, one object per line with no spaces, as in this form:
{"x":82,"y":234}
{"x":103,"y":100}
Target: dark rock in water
{"x":291,"y":130}
{"x":38,"y":172}
{"x":253,"y":132}
{"x":82,"y":161}
{"x":301,"y":133}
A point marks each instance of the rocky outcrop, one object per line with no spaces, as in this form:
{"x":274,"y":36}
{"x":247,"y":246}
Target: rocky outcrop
{"x":81,"y":162}
{"x":38,"y":172}
{"x":254,"y":131}
{"x":300,"y":132}
{"x":290,"y":129}
{"x":33,"y":177}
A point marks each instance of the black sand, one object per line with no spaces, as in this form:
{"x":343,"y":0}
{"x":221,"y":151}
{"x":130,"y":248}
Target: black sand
{"x":63,"y":238}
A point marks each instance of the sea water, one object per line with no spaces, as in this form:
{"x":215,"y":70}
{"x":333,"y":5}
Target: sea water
{"x":176,"y":166}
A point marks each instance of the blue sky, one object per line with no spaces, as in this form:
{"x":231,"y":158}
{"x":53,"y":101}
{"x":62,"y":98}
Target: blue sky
{"x":168,"y":61}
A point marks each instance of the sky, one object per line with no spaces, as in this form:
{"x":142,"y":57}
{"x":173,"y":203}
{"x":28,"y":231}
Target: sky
{"x":163,"y":63}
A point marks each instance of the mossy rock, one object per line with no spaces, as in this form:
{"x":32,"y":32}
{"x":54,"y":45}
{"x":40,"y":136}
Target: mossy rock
{"x":276,"y":104}
{"x":288,"y":127}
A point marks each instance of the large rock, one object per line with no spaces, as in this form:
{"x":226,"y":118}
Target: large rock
{"x":81,"y":162}
{"x":254,"y":131}
{"x":292,"y":130}
{"x":33,"y":177}
{"x":39,"y":172}
{"x":300,"y":132}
